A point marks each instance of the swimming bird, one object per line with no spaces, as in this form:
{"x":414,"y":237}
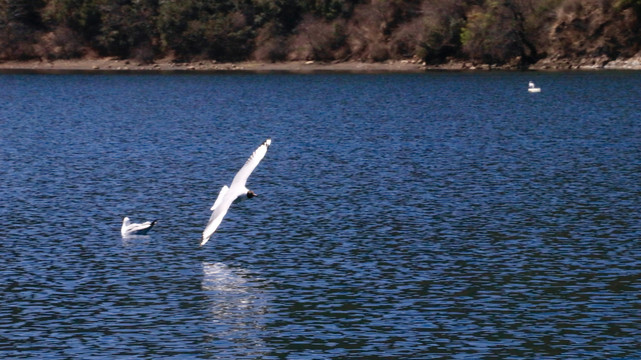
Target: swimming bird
{"x":128,"y":228}
{"x":237,"y":190}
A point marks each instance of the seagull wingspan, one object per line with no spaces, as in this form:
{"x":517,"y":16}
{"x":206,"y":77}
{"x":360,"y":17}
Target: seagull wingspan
{"x":243,"y":174}
{"x":227,"y":195}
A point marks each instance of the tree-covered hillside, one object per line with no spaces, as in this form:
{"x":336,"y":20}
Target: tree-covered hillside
{"x":517,"y":32}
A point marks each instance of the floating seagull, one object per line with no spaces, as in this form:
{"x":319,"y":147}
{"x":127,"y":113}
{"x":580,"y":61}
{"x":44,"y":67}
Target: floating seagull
{"x":532,"y":88}
{"x":129,"y":229}
{"x":237,"y":190}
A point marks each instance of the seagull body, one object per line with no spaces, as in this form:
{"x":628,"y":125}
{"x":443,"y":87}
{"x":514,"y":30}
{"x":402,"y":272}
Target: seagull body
{"x":128,"y":228}
{"x":237,"y":190}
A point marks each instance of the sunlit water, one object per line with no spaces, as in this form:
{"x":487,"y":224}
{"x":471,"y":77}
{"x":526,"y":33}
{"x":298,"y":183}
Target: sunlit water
{"x":439,"y":215}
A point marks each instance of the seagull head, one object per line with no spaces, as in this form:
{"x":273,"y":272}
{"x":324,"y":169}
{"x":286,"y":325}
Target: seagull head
{"x":251,"y":194}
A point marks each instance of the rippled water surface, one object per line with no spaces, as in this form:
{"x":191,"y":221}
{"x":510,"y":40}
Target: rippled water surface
{"x":424,"y":216}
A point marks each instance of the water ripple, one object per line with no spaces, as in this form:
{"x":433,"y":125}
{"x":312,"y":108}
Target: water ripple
{"x":431,"y":216}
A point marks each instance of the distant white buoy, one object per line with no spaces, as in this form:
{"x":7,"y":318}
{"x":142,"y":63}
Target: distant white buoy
{"x":532,"y":88}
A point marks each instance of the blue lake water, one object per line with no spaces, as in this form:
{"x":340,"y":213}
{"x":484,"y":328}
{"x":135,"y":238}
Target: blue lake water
{"x":399,"y":216}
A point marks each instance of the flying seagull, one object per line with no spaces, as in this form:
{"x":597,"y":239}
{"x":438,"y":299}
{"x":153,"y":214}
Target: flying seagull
{"x":128,"y":228}
{"x":237,"y":190}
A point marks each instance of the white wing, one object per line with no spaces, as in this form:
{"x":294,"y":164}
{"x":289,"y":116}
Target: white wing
{"x":243,"y":174}
{"x":220,"y":197}
{"x":139,"y":227}
{"x":217,"y":216}
{"x":125,"y":225}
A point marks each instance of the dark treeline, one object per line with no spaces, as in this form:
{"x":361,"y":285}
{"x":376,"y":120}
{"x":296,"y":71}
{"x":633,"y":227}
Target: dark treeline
{"x":517,"y":32}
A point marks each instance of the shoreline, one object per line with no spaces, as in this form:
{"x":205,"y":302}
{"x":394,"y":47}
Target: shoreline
{"x":116,"y":65}
{"x":399,"y":66}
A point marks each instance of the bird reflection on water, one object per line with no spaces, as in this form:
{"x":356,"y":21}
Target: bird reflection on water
{"x":237,"y":307}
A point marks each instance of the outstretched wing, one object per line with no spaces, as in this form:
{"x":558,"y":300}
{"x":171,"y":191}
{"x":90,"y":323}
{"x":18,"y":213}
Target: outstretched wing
{"x":220,"y":197}
{"x":217,"y":216}
{"x":243,"y":174}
